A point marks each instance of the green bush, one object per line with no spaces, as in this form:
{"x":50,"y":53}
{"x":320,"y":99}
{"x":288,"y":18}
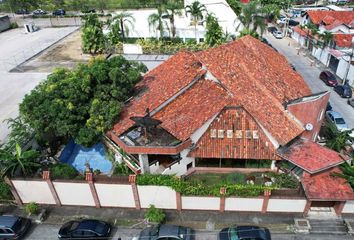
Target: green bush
{"x":5,"y":193}
{"x":31,"y":208}
{"x":284,"y":180}
{"x":63,"y":171}
{"x":13,"y":25}
{"x":121,"y":169}
{"x":154,"y":214}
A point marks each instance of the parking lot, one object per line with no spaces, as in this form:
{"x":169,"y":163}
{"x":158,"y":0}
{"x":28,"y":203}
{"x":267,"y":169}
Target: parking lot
{"x":15,"y":48}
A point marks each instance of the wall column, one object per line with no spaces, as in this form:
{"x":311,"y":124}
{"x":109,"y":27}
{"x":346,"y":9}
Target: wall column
{"x":178,"y":201}
{"x":132,"y":180}
{"x":14,"y":191}
{"x":307,"y":208}
{"x":46,"y":177}
{"x":267,"y":194}
{"x":144,"y":163}
{"x":89,"y":179}
{"x":222,"y":199}
{"x":338,"y":207}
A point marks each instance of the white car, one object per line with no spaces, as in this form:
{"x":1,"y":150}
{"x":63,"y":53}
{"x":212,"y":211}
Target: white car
{"x":278,"y":34}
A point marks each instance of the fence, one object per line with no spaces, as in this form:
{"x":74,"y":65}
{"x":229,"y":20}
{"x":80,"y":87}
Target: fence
{"x":125,"y":193}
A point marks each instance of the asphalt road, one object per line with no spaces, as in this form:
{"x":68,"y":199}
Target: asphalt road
{"x":49,"y":232}
{"x":310,"y":74}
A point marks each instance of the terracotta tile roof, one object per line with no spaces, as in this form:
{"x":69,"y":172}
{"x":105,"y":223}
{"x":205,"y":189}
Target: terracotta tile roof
{"x":329,"y":17}
{"x":343,"y":40}
{"x":325,"y":186}
{"x":261,"y":83}
{"x":310,"y":156}
{"x":302,"y":32}
{"x":158,"y":86}
{"x":183,"y":116}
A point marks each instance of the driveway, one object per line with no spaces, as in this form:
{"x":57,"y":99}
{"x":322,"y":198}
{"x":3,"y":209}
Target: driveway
{"x":310,"y":74}
{"x":15,"y":48}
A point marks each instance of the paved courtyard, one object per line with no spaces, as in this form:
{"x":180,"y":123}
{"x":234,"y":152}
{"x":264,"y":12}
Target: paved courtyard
{"x":15,"y":48}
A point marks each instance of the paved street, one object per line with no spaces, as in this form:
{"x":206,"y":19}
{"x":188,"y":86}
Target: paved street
{"x":310,"y":74}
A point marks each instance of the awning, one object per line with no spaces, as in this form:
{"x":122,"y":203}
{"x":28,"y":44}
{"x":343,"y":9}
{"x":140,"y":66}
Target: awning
{"x":335,"y":53}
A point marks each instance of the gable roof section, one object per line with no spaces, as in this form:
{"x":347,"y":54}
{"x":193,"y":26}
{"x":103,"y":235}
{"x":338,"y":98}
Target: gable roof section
{"x":331,"y":17}
{"x":188,"y":112}
{"x":343,"y":40}
{"x":159,"y":85}
{"x":310,"y":156}
{"x":260,"y":80}
{"x":324,"y":186}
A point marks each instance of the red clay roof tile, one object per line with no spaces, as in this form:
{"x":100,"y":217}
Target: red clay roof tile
{"x":325,"y":186}
{"x":310,"y":156}
{"x":343,"y":40}
{"x":328,"y":17}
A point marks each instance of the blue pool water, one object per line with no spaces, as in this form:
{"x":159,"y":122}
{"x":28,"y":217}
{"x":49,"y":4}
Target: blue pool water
{"x":77,"y":155}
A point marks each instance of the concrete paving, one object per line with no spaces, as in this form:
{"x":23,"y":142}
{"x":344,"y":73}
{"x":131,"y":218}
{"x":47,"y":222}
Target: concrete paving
{"x":287,"y":47}
{"x":15,"y":48}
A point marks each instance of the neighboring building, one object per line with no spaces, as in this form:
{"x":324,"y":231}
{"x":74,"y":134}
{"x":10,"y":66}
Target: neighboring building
{"x":337,"y":55}
{"x":4,"y":23}
{"x":227,"y":107}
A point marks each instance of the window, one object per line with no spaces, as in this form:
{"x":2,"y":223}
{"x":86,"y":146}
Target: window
{"x":220,"y":133}
{"x":248,"y":134}
{"x":229,"y":133}
{"x":213,"y":133}
{"x":238,"y":133}
{"x":255,"y":134}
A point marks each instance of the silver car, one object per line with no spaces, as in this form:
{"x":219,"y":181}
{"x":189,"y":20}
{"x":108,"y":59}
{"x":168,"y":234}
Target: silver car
{"x":337,"y":120}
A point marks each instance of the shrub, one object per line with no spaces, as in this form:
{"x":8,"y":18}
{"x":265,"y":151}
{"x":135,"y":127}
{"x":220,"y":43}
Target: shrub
{"x":121,"y":169}
{"x":284,"y":180}
{"x":154,"y":214}
{"x":5,"y":193}
{"x":63,"y":171}
{"x":13,"y":25}
{"x":31,"y":208}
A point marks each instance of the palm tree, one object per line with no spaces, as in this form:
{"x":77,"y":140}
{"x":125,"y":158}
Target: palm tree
{"x":326,"y":37}
{"x":347,"y":173}
{"x":196,"y":10}
{"x":123,"y":18}
{"x":172,"y":9}
{"x":18,"y":161}
{"x":156,"y":21}
{"x":252,"y":16}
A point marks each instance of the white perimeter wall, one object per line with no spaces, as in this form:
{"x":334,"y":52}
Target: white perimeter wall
{"x":286,"y":205}
{"x":201,"y":203}
{"x":74,"y":193}
{"x":244,"y":204}
{"x":34,"y":191}
{"x":160,"y":196}
{"x":348,"y":207}
{"x":115,"y":195}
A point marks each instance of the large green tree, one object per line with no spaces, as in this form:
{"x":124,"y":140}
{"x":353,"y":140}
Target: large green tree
{"x":172,"y":9}
{"x":125,"y":21}
{"x":252,"y":18}
{"x":214,"y":34}
{"x":82,"y":103}
{"x":92,"y":37}
{"x":156,"y":21}
{"x":196,"y":11}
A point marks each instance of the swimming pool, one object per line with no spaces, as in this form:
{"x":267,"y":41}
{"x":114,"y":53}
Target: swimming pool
{"x":77,"y":156}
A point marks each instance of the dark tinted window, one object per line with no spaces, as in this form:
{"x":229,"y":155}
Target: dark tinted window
{"x":340,"y":121}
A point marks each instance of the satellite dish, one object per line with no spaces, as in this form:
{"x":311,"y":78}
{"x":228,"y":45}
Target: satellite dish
{"x":309,"y":127}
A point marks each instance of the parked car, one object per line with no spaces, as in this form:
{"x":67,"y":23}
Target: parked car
{"x":272,"y":29}
{"x":278,"y":34}
{"x":59,"y":12}
{"x":164,"y":231}
{"x":13,"y":227}
{"x":244,"y":232}
{"x":328,"y":107}
{"x":345,"y":91}
{"x":328,"y":78}
{"x":85,"y":229}
{"x":89,"y":10}
{"x":336,"y":119}
{"x":351,"y":102}
{"x":22,"y":11}
{"x":293,"y":23}
{"x":39,"y":12}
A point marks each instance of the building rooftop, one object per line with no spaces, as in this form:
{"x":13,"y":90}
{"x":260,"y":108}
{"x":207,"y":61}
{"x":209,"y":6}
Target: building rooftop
{"x":331,"y":18}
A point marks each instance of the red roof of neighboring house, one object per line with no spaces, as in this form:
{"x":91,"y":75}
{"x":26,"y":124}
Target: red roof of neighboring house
{"x":261,"y":83}
{"x":325,"y":186}
{"x":310,"y":156}
{"x":191,"y":110}
{"x":329,"y":17}
{"x":343,"y":40}
{"x":302,"y":32}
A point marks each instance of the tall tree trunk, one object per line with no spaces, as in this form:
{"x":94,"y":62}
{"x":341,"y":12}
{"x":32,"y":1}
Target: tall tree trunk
{"x":173,"y":27}
{"x":122,"y":29}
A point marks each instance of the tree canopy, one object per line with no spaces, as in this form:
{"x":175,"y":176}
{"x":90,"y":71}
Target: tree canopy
{"x":92,"y":37}
{"x":214,"y":34}
{"x":81,"y":103}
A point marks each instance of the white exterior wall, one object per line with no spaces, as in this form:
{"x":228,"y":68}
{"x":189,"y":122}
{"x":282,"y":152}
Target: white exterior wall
{"x":297,"y":37}
{"x":154,"y":168}
{"x":341,"y":71}
{"x":115,"y":195}
{"x":160,"y":196}
{"x":34,"y":191}
{"x":348,"y":207}
{"x":181,"y":167}
{"x":321,"y":54}
{"x":132,"y":49}
{"x":244,"y":204}
{"x":286,"y":205}
{"x":201,"y":203}
{"x":74,"y":193}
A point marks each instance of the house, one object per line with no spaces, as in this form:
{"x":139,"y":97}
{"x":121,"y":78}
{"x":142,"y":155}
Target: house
{"x":226,"y":107}
{"x":337,"y":55}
